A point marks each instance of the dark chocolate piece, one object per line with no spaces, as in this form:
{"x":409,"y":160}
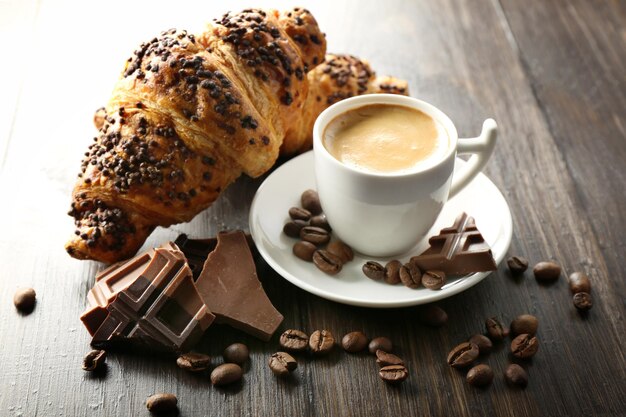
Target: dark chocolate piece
{"x":109,"y":282}
{"x":231,"y":289}
{"x":160,"y":310}
{"x":457,"y":250}
{"x":196,"y":251}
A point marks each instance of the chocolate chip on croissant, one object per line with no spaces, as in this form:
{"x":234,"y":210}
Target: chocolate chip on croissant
{"x":191,"y":113}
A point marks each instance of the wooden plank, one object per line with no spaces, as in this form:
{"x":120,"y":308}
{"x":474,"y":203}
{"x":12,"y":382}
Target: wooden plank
{"x":461,"y":55}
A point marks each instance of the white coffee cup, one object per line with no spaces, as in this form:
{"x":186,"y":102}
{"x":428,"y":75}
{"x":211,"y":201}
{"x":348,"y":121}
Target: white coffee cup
{"x":385,"y":214}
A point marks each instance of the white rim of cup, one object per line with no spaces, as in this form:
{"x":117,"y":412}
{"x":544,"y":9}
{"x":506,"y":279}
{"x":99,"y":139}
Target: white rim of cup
{"x":354,"y":102}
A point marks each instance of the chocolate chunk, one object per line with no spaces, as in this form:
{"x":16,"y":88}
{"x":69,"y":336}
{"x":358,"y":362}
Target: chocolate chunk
{"x":230,"y":288}
{"x":160,"y":310}
{"x":111,"y":281}
{"x":196,"y":251}
{"x":457,"y":250}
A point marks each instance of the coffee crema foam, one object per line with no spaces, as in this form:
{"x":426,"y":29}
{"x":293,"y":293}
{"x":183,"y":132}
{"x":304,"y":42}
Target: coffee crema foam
{"x":385,"y":138}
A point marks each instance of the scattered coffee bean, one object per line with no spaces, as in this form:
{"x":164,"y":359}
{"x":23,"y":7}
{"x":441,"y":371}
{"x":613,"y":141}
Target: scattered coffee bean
{"x":327,"y":262}
{"x":524,"y":346}
{"x":354,"y":342}
{"x":432,"y":315}
{"x":515,"y":375}
{"x":24,"y":299}
{"x":392,"y":272}
{"x":434,"y":280}
{"x":226,"y":373}
{"x":310,"y":200}
{"x":292,"y":228}
{"x":297,"y":213}
{"x":282,"y":364}
{"x":463,"y":355}
{"x":374,"y":270}
{"x":495,"y":329}
{"x":380,"y":343}
{"x":525,"y":323}
{"x":410,"y":275}
{"x":582,"y":301}
{"x":320,"y":221}
{"x":304,"y":250}
{"x":547,"y":271}
{"x":340,"y":249}
{"x":315,"y":235}
{"x":294,"y":340}
{"x":517,"y":264}
{"x":393,"y":374}
{"x":480,"y":375}
{"x":321,"y":342}
{"x":94,"y":360}
{"x":579,"y":282}
{"x":386,"y":359}
{"x":194,"y":362}
{"x":236,"y":353}
{"x":483,"y":342}
{"x":161,"y":403}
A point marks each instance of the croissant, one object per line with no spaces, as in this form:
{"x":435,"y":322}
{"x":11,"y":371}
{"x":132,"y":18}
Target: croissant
{"x":191,"y":113}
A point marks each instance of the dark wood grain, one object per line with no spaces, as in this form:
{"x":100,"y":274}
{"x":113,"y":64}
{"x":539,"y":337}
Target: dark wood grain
{"x":550,"y":73}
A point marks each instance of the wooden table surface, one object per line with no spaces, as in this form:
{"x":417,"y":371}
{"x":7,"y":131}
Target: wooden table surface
{"x":552,"y":73}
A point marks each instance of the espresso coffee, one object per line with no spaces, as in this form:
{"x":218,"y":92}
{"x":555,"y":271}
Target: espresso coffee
{"x":385,"y":138}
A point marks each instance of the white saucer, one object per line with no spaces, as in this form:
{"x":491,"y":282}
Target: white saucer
{"x":481,"y":199}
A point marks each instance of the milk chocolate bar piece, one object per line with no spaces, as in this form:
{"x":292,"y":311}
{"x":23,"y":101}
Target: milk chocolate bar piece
{"x":457,"y":250}
{"x":160,"y":310}
{"x":230,"y":288}
{"x":109,"y":282}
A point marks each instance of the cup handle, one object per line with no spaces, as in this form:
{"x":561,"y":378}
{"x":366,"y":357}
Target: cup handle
{"x":481,"y":147}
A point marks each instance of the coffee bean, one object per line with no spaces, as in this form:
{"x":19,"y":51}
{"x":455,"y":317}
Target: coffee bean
{"x":236,"y":353}
{"x":94,"y":360}
{"x":294,"y":340}
{"x":24,"y":299}
{"x":282,"y":364}
{"x":495,"y":329}
{"x":320,"y":221}
{"x":310,"y":200}
{"x":582,"y":301}
{"x":547,"y":271}
{"x":393,"y":374}
{"x":386,"y":359}
{"x":194,"y":362}
{"x":292,"y":228}
{"x":340,"y":249}
{"x":579,"y":282}
{"x":434,"y":280}
{"x":354,"y":342}
{"x":392,"y":272}
{"x":463,"y":355}
{"x":483,"y":342}
{"x":297,"y":213}
{"x":410,"y":275}
{"x":480,"y":375}
{"x":327,"y":262}
{"x":161,"y":403}
{"x":321,"y":342}
{"x":525,"y":323}
{"x":226,"y":373}
{"x":380,"y":343}
{"x":524,"y":346}
{"x":517,"y":264}
{"x":315,"y":235}
{"x":374,"y":270}
{"x":515,"y":375}
{"x":304,"y":250}
{"x":432,"y":315}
